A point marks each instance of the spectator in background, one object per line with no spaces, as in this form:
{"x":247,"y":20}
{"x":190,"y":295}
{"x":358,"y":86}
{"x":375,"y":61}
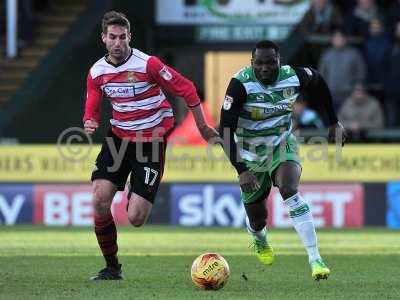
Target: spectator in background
{"x":346,"y":6}
{"x":41,"y":5}
{"x":28,"y":13}
{"x":2,"y":17}
{"x":2,"y":26}
{"x":322,"y":18}
{"x":394,"y":16}
{"x":361,"y":111}
{"x":341,"y":66}
{"x":391,"y":81}
{"x":26,"y":23}
{"x":376,"y":46}
{"x":304,"y":117}
{"x":357,"y":23}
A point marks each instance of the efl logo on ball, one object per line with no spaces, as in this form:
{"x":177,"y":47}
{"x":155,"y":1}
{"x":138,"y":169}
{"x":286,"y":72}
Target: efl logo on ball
{"x":210,"y":271}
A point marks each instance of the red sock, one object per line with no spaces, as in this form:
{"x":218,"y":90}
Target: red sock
{"x":106,"y":234}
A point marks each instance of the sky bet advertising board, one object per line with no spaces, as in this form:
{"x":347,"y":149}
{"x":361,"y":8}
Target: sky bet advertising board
{"x":205,"y":204}
{"x":336,"y":206}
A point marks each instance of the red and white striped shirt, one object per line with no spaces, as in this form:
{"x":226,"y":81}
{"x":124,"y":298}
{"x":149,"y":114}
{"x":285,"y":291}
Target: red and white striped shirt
{"x":140,"y":109}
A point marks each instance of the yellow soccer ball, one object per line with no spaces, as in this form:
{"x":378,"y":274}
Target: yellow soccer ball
{"x":210,"y":271}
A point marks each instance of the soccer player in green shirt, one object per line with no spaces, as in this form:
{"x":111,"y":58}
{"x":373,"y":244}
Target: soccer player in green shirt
{"x":256,"y":128}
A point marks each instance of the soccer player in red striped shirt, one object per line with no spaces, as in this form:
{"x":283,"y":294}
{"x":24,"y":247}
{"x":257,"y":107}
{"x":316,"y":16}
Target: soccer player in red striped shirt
{"x":133,"y":82}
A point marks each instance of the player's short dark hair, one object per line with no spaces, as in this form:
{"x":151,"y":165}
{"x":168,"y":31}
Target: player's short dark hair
{"x":115,"y":18}
{"x":265,"y":44}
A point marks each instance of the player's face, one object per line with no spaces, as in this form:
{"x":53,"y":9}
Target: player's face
{"x":117,"y":40}
{"x":266,"y":64}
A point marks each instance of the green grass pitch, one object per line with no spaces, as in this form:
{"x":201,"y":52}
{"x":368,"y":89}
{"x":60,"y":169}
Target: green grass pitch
{"x":55,"y":263}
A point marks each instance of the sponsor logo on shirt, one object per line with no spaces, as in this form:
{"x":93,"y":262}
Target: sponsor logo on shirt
{"x":165,"y":73}
{"x":119,"y":91}
{"x":258,"y":113}
{"x":227,"y":102}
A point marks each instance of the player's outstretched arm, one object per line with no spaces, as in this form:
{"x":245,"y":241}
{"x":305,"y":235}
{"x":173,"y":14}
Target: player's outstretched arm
{"x":208,"y":133}
{"x":337,"y":133}
{"x":90,"y":126}
{"x":173,"y":82}
{"x":321,"y":100}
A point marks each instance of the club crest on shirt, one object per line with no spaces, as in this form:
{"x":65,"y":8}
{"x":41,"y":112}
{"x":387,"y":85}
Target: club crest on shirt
{"x":288,"y":92}
{"x":227,"y":102}
{"x":131,"y":77}
{"x":165,"y":73}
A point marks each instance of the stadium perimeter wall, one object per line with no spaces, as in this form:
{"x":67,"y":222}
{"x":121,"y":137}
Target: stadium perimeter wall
{"x":47,"y":185}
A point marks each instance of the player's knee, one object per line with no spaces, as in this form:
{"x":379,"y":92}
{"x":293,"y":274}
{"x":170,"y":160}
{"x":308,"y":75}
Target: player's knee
{"x":101,"y":203}
{"x":101,"y":207}
{"x":287,"y":190}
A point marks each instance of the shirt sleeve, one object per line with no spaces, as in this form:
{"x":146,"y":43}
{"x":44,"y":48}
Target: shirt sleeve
{"x":94,"y":95}
{"x":317,"y":93}
{"x":234,"y":98}
{"x":172,"y":81}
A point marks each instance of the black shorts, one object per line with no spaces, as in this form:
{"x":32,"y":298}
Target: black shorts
{"x":144,"y":161}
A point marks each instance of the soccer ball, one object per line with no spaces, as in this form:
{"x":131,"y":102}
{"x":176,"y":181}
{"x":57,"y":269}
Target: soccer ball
{"x":210,"y":271}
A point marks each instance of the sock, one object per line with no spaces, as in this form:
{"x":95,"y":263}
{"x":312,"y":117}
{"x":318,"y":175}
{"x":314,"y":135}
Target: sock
{"x":300,"y":214}
{"x":260,"y":235}
{"x":112,"y":261}
{"x":106,"y":234}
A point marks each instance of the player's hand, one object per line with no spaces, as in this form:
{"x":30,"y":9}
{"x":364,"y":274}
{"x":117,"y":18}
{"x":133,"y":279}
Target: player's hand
{"x":337,"y":132}
{"x":209,"y":134}
{"x":248,"y":182}
{"x":90,"y":126}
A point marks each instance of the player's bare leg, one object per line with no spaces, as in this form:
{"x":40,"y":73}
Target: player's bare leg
{"x":138,"y":210}
{"x":256,"y":227}
{"x":106,"y":233}
{"x":287,"y":178}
